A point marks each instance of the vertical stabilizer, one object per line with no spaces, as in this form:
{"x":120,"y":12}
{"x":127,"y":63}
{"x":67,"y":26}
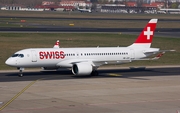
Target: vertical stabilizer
{"x":146,"y":36}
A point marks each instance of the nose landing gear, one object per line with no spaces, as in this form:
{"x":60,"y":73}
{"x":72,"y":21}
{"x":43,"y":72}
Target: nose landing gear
{"x":20,"y":71}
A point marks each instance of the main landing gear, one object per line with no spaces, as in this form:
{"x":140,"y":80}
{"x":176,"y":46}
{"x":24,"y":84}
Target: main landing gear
{"x":20,"y":71}
{"x":94,"y":73}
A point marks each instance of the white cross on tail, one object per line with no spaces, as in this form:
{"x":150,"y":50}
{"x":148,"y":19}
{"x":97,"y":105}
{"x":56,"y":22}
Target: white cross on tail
{"x":148,"y":33}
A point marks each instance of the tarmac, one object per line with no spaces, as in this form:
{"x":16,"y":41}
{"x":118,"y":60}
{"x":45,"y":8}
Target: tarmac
{"x":135,"y":90}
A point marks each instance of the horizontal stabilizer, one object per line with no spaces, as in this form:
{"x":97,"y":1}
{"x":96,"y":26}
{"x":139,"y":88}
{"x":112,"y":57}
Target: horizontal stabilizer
{"x":161,"y":53}
{"x":155,"y":52}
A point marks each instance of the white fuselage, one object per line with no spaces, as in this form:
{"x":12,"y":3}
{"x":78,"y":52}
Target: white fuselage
{"x":65,"y":57}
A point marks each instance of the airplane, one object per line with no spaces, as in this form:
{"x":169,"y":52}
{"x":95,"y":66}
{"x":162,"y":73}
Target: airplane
{"x":84,"y":10}
{"x":86,"y":61}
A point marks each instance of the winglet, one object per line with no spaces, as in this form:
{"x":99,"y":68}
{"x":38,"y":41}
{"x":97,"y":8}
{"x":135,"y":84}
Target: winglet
{"x":146,"y":36}
{"x":56,"y":45}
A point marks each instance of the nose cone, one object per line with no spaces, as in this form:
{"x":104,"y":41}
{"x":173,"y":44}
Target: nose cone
{"x":10,"y":62}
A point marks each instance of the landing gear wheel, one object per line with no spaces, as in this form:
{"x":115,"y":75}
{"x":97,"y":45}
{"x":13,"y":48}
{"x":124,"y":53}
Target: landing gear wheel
{"x":20,"y":72}
{"x":20,"y":75}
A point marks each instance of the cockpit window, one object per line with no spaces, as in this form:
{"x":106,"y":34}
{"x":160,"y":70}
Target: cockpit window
{"x":18,"y":55}
{"x":21,"y":55}
{"x":15,"y":55}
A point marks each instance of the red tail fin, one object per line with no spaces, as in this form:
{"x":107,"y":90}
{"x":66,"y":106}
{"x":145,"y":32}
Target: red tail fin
{"x":146,"y":36}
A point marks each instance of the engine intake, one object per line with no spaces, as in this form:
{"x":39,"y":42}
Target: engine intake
{"x":82,"y":69}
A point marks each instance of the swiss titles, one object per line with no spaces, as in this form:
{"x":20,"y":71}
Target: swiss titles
{"x":51,"y":55}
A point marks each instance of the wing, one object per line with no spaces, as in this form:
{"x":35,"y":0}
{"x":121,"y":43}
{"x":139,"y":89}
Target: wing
{"x":93,"y":62}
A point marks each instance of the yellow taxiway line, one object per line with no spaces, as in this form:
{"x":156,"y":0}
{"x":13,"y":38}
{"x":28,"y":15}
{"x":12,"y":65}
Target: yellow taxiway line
{"x":17,"y":95}
{"x":113,"y":74}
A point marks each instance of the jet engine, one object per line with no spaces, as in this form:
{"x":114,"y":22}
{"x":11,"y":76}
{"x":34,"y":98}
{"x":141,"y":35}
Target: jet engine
{"x":82,"y":69}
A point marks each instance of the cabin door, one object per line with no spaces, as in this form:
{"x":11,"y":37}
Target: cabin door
{"x":34,"y":56}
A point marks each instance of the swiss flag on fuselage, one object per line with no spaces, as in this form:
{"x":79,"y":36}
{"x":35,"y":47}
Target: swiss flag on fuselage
{"x":147,"y":34}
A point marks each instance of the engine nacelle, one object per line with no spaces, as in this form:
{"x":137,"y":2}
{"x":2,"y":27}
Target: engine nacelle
{"x":82,"y":69}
